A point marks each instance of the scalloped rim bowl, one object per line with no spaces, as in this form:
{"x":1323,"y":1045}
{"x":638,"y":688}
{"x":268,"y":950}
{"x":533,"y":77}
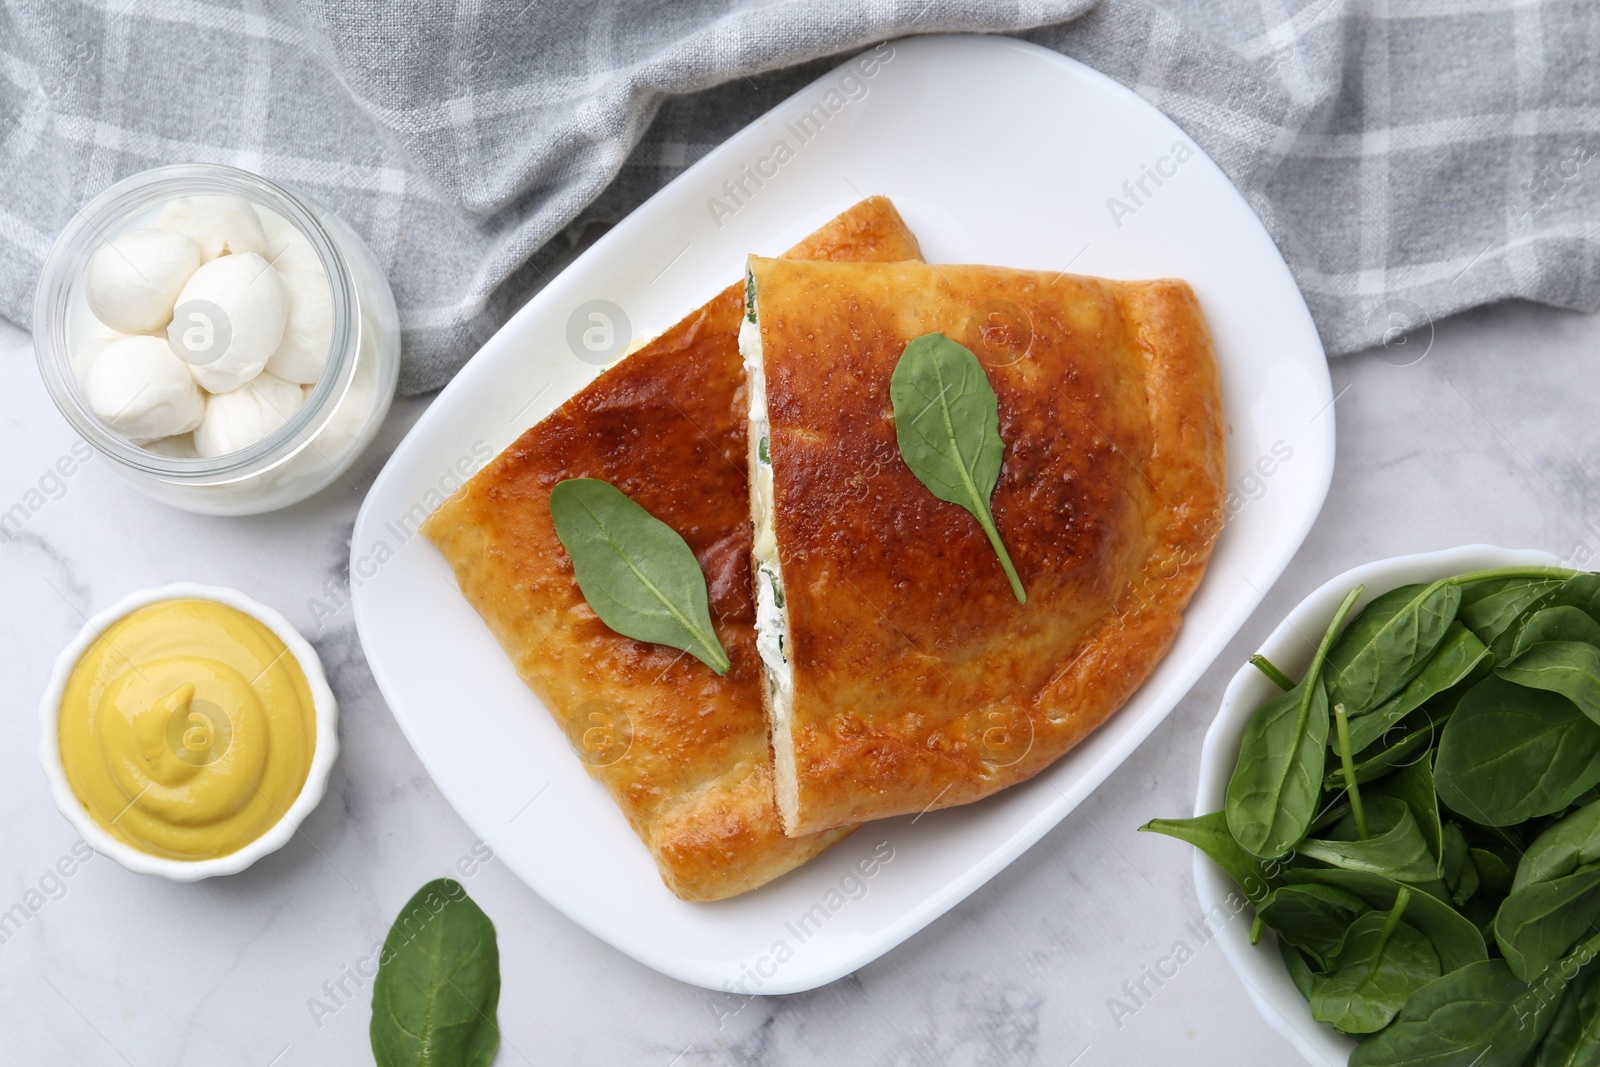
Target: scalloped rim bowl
{"x":277,"y":835}
{"x":1259,"y":966}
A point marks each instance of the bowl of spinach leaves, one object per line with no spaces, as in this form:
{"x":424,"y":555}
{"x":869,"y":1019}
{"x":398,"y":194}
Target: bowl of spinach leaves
{"x":1399,"y":838}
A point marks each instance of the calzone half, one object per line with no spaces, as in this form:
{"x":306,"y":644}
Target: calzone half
{"x":682,"y":750}
{"x":903,"y":673}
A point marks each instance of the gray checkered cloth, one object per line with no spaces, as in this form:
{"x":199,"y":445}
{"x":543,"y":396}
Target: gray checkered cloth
{"x":1409,"y":162}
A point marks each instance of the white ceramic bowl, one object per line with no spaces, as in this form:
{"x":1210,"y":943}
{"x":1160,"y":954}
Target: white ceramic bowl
{"x":322,"y":755}
{"x":1290,"y":647}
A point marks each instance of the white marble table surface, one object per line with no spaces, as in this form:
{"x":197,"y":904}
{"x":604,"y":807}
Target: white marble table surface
{"x":1491,"y":437}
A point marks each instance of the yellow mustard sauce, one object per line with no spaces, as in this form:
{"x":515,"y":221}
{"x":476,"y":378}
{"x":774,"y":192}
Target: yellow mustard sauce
{"x":187,"y":729}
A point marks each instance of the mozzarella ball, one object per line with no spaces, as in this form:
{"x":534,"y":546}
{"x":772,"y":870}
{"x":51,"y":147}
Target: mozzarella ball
{"x":229,"y":319}
{"x":141,"y":390}
{"x":134,"y":278}
{"x":248,"y":414}
{"x":87,"y":349}
{"x":218,"y":224}
{"x":308,"y":335}
{"x":288,"y":249}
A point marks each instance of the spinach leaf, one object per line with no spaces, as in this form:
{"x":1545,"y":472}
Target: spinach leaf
{"x":1481,"y":1015}
{"x":1581,"y":591}
{"x":1331,"y":813}
{"x":1272,"y":795}
{"x":1396,"y":848}
{"x":1456,"y":940}
{"x":1413,"y":744}
{"x":635,"y":571}
{"x":1507,"y":842}
{"x":1388,"y":644}
{"x":1413,"y":785}
{"x":1570,"y":668}
{"x":1494,"y":877}
{"x":1503,"y":647}
{"x":1382,"y":963}
{"x":1299,"y":970}
{"x":1573,"y":1039}
{"x":1571,"y":843}
{"x":947,"y":423}
{"x":1540,"y":923}
{"x":1509,"y":753}
{"x":1455,"y":862}
{"x":1209,"y":833}
{"x":438,"y":983}
{"x":1313,"y":918}
{"x":1491,"y":606}
{"x":1457,"y":656}
{"x":1561,"y":622}
{"x":1494,"y":884}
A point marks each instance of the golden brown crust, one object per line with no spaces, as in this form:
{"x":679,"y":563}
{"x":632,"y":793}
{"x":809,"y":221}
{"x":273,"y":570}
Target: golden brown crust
{"x":666,"y":426}
{"x":919,"y":681}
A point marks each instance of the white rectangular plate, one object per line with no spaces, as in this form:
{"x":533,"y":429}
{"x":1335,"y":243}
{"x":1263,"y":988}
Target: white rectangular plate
{"x":997,"y":152}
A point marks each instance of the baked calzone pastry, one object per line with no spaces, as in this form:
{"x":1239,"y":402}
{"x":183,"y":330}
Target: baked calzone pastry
{"x":682,"y":750}
{"x":903,"y":674}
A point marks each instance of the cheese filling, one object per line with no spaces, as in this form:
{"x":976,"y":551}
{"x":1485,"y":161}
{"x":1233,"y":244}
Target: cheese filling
{"x":772,"y":619}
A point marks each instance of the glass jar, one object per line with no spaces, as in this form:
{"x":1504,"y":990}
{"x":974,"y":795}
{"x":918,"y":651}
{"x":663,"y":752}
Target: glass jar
{"x":342,"y":409}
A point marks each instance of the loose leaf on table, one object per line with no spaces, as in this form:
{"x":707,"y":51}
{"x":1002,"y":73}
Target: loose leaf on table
{"x":947,"y":423}
{"x":635,"y":571}
{"x":1388,"y":644}
{"x":1570,"y":668}
{"x":1539,"y":924}
{"x":1457,"y":941}
{"x":1396,"y":848}
{"x":1455,"y":658}
{"x":1273,"y":793}
{"x":1560,"y":622}
{"x":1382,"y":963}
{"x":1209,"y":833}
{"x":1509,"y":753}
{"x":1312,"y":918}
{"x":1571,"y":843}
{"x":1573,"y":1039}
{"x":1491,"y":606}
{"x":438,"y":983}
